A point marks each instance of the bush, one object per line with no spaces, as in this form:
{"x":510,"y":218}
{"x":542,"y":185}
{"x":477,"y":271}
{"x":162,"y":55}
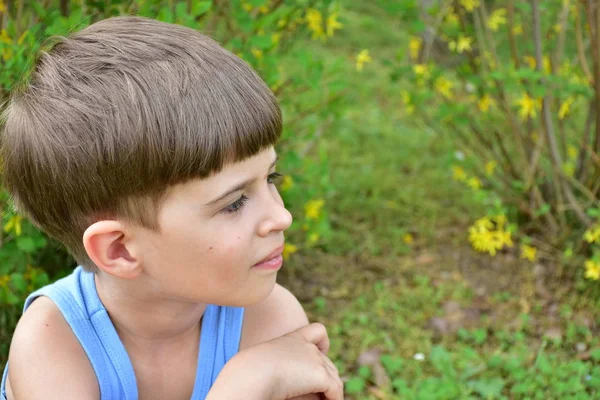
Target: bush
{"x":517,"y":84}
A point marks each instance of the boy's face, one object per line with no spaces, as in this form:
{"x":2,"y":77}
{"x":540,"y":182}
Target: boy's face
{"x":209,"y":240}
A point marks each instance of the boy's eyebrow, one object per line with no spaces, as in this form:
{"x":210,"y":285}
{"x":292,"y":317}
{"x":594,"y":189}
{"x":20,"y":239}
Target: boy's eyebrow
{"x":239,"y":186}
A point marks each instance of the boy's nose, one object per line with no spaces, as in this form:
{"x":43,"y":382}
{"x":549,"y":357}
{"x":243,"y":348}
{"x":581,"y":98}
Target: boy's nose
{"x":277,"y":217}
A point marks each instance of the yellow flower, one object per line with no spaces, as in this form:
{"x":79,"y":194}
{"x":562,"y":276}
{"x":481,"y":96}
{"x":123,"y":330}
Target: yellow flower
{"x":530,"y":61}
{"x":333,"y":23}
{"x":14,"y":224}
{"x":247,"y":6}
{"x":281,"y":23}
{"x":263,"y":9}
{"x":565,"y":108}
{"x":421,"y":70}
{"x":487,"y":235}
{"x":528,"y":252}
{"x":444,"y":86}
{"x":4,"y":279}
{"x":287,"y":183}
{"x":2,"y":6}
{"x":517,"y":30}
{"x":557,"y":28}
{"x":490,"y":166}
{"x":314,"y":20}
{"x":528,"y":106}
{"x":275,"y":38}
{"x":4,"y":38}
{"x":485,"y":103}
{"x":469,"y":5}
{"x":257,"y":53}
{"x":474,"y":183}
{"x":7,"y":54}
{"x":462,"y":44}
{"x":592,"y":270}
{"x":312,"y":209}
{"x":452,"y":18}
{"x":408,"y":238}
{"x":459,"y":174}
{"x":410,"y":108}
{"x":497,"y":18}
{"x":568,"y":168}
{"x":288,"y":249}
{"x":22,"y":37}
{"x":362,"y":58}
{"x":414,"y":46}
{"x":572,"y":151}
{"x":592,"y":235}
{"x":546,"y":64}
{"x":313,"y":238}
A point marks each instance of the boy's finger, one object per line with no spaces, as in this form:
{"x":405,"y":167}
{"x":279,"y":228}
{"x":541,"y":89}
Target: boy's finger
{"x":316,"y":334}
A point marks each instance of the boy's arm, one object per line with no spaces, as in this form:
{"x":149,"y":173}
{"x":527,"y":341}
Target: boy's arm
{"x":46,"y":360}
{"x":280,"y":313}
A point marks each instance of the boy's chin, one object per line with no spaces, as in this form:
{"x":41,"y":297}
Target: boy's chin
{"x":258,"y":295}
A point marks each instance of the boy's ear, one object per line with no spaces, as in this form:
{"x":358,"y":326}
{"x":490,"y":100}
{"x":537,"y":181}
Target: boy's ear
{"x":109,"y":246}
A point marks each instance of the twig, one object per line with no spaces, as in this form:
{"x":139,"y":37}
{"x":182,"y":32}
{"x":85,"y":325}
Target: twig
{"x":593,"y":19}
{"x":547,"y":119}
{"x":581,"y":172}
{"x":430,"y":38}
{"x":580,"y":47}
{"x":511,"y":38}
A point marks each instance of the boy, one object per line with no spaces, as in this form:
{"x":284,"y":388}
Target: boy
{"x":147,"y":149}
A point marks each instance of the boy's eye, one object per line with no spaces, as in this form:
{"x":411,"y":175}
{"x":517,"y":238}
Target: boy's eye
{"x":236,"y":206}
{"x":274,"y":177}
{"x":239,"y":203}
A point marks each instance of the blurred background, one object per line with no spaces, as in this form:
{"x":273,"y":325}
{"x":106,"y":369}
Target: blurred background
{"x":441,"y":160}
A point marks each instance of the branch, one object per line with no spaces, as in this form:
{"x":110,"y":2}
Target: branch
{"x":511,"y":38}
{"x":580,"y":49}
{"x":547,"y":119}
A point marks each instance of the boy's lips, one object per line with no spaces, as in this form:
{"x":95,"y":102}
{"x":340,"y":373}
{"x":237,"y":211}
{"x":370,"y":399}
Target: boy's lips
{"x":274,"y":254}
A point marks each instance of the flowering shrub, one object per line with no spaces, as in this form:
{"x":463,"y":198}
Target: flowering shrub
{"x":517,"y":84}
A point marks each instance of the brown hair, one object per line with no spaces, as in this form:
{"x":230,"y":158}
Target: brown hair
{"x":115,"y":114}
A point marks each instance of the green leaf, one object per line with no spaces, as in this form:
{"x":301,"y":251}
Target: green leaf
{"x":442,"y":361}
{"x":392,"y":364}
{"x":488,"y":388}
{"x":18,"y":282}
{"x":544,"y":209}
{"x":595,"y":354}
{"x":201,"y":7}
{"x":593,"y":212}
{"x":364,"y":372}
{"x":355,"y":385}
{"x":262,"y":42}
{"x":12,"y":298}
{"x":166,"y":15}
{"x":26,"y":244}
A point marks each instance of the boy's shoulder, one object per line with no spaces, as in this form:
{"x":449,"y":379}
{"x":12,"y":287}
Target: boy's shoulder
{"x":280,"y":313}
{"x":46,"y":359}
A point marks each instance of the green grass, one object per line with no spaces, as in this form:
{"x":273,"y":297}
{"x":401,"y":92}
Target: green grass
{"x":485,"y":326}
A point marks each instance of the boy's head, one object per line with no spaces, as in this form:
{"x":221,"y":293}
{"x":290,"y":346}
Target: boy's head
{"x":118,"y":115}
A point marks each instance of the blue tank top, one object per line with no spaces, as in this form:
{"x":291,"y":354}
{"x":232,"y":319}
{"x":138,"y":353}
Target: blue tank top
{"x":78,"y":301}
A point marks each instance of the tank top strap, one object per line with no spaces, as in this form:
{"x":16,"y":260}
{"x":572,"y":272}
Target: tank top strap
{"x":219,"y":342}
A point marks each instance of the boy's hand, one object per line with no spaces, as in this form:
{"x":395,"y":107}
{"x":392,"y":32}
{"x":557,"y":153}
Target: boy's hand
{"x":301,"y":365}
{"x":289,"y":366}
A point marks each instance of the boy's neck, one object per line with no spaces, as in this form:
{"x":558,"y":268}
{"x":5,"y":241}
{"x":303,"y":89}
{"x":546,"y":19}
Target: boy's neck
{"x":144,"y":320}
